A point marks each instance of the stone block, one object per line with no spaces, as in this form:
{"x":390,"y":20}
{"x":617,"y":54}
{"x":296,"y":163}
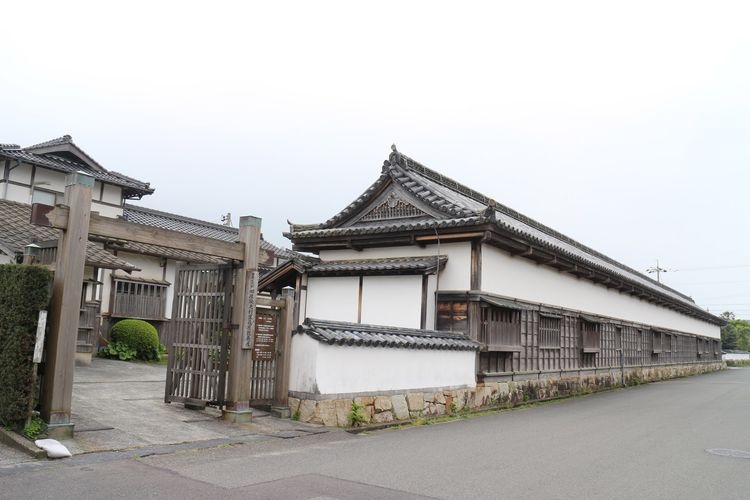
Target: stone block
{"x":365,"y":400}
{"x":382,"y":403}
{"x":400,"y":408}
{"x":439,"y":409}
{"x":382,"y":417}
{"x":343,"y":407}
{"x":415,"y":401}
{"x":293,"y":405}
{"x":326,"y":412}
{"x":307,"y":410}
{"x":439,"y":398}
{"x":369,"y":412}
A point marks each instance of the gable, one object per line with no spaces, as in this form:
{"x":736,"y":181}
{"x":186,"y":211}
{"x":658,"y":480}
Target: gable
{"x":391,"y":205}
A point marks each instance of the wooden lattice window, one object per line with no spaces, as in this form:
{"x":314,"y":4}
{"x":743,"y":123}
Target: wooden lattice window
{"x":500,"y":329}
{"x":550,"y":328}
{"x":656,"y":342}
{"x":138,"y":299}
{"x":453,"y":316}
{"x":591,"y":337}
{"x":639,"y":340}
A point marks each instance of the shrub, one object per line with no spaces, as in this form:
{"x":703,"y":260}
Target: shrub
{"x":24,"y":291}
{"x":36,"y":428}
{"x":139,"y":335}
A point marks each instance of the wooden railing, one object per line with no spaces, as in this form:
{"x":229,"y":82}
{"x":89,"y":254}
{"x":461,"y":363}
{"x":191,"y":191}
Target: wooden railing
{"x":139,"y":300}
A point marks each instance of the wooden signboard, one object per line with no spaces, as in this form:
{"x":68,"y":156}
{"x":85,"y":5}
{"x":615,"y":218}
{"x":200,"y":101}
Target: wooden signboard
{"x":264,"y":345}
{"x":252,"y":291}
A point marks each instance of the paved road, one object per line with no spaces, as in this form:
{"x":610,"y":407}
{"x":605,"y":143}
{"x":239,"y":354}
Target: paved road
{"x":642,"y":442}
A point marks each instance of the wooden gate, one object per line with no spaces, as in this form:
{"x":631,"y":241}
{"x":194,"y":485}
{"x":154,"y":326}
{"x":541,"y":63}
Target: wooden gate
{"x":198,"y":339}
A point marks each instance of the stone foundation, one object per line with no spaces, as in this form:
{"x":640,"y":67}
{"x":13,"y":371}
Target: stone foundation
{"x":519,"y":388}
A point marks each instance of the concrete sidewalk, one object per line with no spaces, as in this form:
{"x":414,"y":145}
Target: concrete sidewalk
{"x":120,"y":405}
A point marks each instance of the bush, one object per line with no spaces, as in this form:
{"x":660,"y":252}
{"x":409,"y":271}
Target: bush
{"x":357,"y":415}
{"x":24,"y":291}
{"x":138,"y":335}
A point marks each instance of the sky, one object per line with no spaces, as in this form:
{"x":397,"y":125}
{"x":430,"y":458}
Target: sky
{"x":623,"y":125}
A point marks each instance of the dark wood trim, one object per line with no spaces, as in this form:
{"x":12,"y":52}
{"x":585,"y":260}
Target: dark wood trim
{"x":6,"y":171}
{"x":442,"y":237}
{"x":476,"y":265}
{"x":423,"y":312}
{"x":359,"y":300}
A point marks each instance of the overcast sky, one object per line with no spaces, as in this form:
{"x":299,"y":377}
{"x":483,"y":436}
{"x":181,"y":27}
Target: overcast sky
{"x":626,"y":127}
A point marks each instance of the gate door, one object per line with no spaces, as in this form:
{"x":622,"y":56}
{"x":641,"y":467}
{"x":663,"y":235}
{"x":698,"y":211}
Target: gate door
{"x":199,"y":335}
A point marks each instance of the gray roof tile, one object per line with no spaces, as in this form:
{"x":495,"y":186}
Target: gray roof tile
{"x":356,"y":334}
{"x":416,"y":265}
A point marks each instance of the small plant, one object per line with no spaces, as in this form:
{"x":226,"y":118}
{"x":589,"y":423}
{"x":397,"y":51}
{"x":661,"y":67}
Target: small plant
{"x":357,"y":415}
{"x":296,"y":415}
{"x":118,"y":350}
{"x":453,"y":408}
{"x":35,"y":428}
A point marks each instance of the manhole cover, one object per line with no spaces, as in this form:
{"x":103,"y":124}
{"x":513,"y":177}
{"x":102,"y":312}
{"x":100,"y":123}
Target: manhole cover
{"x":726,"y":452}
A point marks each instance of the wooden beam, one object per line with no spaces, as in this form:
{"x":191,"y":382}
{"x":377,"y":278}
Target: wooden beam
{"x":475,"y":280}
{"x":285,"y":349}
{"x":57,"y":393}
{"x":453,"y":236}
{"x":106,"y":228}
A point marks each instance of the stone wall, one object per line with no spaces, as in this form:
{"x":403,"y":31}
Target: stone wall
{"x":410,"y":405}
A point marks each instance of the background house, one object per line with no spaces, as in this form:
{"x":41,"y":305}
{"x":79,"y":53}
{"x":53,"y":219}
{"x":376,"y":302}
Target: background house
{"x":122,"y":279}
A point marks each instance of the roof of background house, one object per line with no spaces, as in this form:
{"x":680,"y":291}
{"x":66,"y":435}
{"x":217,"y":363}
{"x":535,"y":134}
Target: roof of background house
{"x":356,"y":334}
{"x":175,"y":222}
{"x":63,"y":155}
{"x":460,"y":206}
{"x":18,"y":231}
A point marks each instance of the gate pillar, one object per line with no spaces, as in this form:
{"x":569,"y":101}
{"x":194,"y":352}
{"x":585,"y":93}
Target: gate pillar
{"x":243,"y":315}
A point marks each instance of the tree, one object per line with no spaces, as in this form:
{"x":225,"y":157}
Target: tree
{"x":736,"y":333}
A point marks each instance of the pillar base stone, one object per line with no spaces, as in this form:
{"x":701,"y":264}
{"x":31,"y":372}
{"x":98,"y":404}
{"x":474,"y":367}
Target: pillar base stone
{"x":237,"y":417}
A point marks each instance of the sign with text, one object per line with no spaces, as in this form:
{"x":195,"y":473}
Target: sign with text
{"x":251,"y":281}
{"x":264,"y":347}
{"x":41,"y":325}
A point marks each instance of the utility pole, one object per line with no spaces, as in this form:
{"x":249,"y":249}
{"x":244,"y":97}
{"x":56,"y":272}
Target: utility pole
{"x":658,"y":270}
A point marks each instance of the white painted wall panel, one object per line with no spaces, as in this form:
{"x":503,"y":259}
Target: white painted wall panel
{"x":303,"y":364}
{"x":55,"y":179}
{"x":520,"y":278}
{"x":333,"y":298}
{"x":735,"y":356}
{"x":392,"y":300}
{"x":330,"y":369}
{"x":455,"y":276}
{"x":112,"y":194}
{"x":21,"y":173}
{"x":19,"y":194}
{"x":106,"y":210}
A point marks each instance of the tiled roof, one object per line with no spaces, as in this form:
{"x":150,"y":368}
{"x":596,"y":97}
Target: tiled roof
{"x":356,"y":334}
{"x":462,"y":206}
{"x":16,"y":232}
{"x":174,"y":222}
{"x":420,"y":265}
{"x":131,"y":187}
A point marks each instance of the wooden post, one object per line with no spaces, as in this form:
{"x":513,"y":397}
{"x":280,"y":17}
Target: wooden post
{"x":281,"y":398}
{"x":66,"y":305}
{"x":243,"y":314}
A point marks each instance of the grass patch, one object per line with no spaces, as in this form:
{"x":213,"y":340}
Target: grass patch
{"x":735,"y":363}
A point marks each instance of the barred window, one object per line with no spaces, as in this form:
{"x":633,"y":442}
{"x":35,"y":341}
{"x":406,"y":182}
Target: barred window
{"x":549,"y":331}
{"x":591,"y":337}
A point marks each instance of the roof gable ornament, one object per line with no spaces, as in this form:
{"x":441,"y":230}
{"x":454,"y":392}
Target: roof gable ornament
{"x":392,"y":207}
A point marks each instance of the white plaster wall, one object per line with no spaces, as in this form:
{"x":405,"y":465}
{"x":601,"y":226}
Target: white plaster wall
{"x":55,"y":179}
{"x":329,"y":369}
{"x":21,"y":173}
{"x":106,"y":279}
{"x":106,"y":210}
{"x":303,"y":364}
{"x":392,"y":300}
{"x":19,"y":194}
{"x":112,"y":194}
{"x":520,"y":278}
{"x":170,"y":275}
{"x":150,"y":266}
{"x":333,"y":298}
{"x":733,"y":356}
{"x":455,"y":276}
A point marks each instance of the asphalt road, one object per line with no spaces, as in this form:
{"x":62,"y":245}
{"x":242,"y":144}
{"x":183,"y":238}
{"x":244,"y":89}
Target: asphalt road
{"x":649,"y":441}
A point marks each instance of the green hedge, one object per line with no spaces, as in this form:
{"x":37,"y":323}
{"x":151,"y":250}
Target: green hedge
{"x":138,"y":335}
{"x":24,"y":290}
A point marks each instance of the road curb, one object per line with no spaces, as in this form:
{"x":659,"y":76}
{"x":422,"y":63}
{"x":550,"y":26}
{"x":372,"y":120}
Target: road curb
{"x":20,"y":443}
